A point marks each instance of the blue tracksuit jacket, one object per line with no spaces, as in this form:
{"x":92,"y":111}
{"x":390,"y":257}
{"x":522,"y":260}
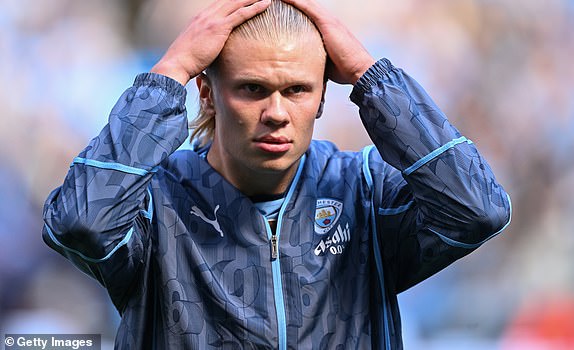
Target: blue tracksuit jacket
{"x":187,"y":259}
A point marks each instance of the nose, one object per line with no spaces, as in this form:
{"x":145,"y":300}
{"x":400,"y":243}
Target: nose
{"x":275,"y":111}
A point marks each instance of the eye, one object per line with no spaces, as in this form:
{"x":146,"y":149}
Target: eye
{"x":252,"y":88}
{"x":297,"y":89}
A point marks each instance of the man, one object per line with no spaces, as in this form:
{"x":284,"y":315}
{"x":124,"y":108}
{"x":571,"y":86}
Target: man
{"x":261,"y":237}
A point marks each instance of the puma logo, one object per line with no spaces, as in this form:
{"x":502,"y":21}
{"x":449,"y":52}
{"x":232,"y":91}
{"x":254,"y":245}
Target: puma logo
{"x":197,"y":212}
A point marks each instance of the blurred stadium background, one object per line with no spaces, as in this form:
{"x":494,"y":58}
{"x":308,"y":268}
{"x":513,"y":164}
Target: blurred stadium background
{"x":501,"y":70}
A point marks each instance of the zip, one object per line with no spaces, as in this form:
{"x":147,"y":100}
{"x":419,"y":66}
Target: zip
{"x":276,"y":262}
{"x":277,"y":287}
{"x":274,"y":247}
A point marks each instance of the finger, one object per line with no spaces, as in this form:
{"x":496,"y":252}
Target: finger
{"x":230,"y":7}
{"x":225,"y":8}
{"x":310,"y":8}
{"x":245,"y":13}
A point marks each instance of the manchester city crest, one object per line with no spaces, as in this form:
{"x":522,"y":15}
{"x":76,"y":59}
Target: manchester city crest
{"x":327,"y":213}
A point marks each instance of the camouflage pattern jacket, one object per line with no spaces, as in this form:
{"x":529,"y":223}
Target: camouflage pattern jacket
{"x":190,"y":263}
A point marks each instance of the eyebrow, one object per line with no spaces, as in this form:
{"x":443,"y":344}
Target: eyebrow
{"x":253,"y":79}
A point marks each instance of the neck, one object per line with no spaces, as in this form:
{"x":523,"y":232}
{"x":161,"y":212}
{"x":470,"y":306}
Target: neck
{"x":255,"y":182}
{"x":264,"y":184}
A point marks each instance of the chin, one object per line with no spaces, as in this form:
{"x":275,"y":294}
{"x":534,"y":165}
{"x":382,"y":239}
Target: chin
{"x":273,"y":168}
{"x":277,"y":166}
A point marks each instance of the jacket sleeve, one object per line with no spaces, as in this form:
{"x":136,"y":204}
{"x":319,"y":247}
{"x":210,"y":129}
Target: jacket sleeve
{"x":100,"y":217}
{"x":438,"y":198}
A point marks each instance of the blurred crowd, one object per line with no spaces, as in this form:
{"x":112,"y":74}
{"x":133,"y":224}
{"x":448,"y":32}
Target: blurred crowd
{"x":501,"y":70}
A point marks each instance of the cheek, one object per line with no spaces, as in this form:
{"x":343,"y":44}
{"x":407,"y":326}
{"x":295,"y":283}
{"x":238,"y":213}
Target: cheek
{"x":235,"y":129}
{"x":239,"y":113}
{"x":305,"y":125}
{"x":308,"y":132}
{"x":306,"y":114}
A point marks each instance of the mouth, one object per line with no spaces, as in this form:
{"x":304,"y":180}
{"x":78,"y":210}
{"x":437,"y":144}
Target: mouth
{"x":273,"y":144}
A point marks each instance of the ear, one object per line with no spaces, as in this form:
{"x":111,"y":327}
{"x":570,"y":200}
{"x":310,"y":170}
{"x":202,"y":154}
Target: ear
{"x":322,"y":104}
{"x":204,"y":86}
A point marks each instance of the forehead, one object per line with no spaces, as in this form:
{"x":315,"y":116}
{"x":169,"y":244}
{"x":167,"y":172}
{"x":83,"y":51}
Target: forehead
{"x":281,"y":61}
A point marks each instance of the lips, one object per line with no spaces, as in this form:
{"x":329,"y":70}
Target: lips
{"x":273,"y":144}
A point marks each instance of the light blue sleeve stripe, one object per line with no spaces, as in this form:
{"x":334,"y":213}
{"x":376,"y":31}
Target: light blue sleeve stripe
{"x":395,"y":211}
{"x":368,"y":176}
{"x":419,"y":163}
{"x":458,"y":244}
{"x":146,"y":214}
{"x":509,"y":216}
{"x":112,"y":166}
{"x":149,"y":212}
{"x":123,"y":242}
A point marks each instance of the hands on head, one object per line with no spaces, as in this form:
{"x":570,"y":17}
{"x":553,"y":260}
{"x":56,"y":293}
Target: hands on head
{"x":200,"y":43}
{"x":348,"y":58}
{"x":204,"y":38}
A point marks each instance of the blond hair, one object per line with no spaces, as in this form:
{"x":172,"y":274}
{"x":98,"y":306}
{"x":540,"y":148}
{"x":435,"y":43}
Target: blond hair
{"x":280,"y":21}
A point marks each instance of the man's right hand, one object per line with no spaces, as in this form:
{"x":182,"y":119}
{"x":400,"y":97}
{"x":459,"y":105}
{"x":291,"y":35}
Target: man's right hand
{"x":203,"y":39}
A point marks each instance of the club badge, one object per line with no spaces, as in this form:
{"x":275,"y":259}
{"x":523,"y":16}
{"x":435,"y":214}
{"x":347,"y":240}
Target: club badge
{"x":327,"y":213}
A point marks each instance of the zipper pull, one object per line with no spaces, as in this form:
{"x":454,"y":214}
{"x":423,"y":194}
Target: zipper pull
{"x":274,"y":247}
